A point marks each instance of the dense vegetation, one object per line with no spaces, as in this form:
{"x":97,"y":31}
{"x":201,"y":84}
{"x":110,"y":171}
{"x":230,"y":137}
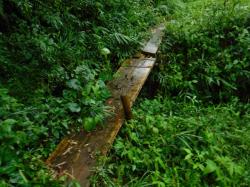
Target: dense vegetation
{"x":55,"y":58}
{"x":206,"y":52}
{"x":195,"y":131}
{"x":57,"y":55}
{"x":176,"y":143}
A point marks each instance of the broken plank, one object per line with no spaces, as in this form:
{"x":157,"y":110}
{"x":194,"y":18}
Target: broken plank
{"x":153,"y":44}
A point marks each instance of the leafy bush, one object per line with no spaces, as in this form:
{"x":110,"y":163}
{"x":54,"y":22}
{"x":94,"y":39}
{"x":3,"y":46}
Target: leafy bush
{"x":22,"y":141}
{"x":205,"y":52}
{"x":171,"y":143}
{"x":55,"y":58}
{"x":196,"y":131}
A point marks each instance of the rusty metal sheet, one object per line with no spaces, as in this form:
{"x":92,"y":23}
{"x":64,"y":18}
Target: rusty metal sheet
{"x":153,"y":44}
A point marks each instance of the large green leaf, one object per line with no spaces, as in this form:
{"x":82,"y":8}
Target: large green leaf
{"x":74,"y":107}
{"x":210,"y":167}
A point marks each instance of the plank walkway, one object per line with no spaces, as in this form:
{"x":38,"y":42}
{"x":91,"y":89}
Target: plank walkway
{"x":77,"y":154}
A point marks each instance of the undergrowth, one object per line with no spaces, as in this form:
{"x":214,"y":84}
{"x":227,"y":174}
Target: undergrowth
{"x":205,"y":52}
{"x":55,"y":59}
{"x":195,"y":132}
{"x":176,"y":143}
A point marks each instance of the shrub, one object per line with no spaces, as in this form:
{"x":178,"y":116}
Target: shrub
{"x":53,"y":73}
{"x":172,"y":143}
{"x":205,"y":52}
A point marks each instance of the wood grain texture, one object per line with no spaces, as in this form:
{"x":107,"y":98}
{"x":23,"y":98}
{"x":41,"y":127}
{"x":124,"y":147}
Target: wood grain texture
{"x":77,"y":154}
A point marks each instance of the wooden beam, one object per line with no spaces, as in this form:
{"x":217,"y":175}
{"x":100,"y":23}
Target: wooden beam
{"x":126,"y":107}
{"x":77,"y":154}
{"x":153,"y":44}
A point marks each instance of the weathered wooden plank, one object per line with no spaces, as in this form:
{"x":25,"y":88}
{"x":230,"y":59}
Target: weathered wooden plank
{"x":130,"y":79}
{"x":153,"y":44}
{"x":76,"y":155}
{"x":139,"y":63}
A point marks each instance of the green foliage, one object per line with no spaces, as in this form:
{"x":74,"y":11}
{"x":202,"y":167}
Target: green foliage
{"x":196,"y":131}
{"x":20,"y":163}
{"x":205,"y":52}
{"x":55,"y":58}
{"x":168,"y":7}
{"x":171,"y":143}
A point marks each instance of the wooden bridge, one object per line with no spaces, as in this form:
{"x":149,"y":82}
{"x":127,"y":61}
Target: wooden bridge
{"x":76,"y":155}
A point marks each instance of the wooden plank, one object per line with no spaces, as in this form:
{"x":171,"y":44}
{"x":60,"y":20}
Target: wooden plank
{"x":130,"y":79}
{"x":139,"y":63}
{"x":153,"y":44}
{"x":77,"y":154}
